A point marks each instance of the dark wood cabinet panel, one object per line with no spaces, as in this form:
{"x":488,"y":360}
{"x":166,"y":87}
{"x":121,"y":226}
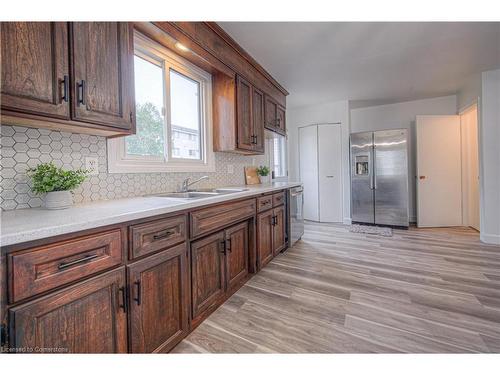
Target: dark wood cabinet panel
{"x":102,"y":56}
{"x":271,"y":113}
{"x":236,"y":254}
{"x":89,"y":317}
{"x":244,"y":114}
{"x":153,"y":236}
{"x":40,"y":269}
{"x":221,"y":216}
{"x":281,"y":120}
{"x":207,"y":273}
{"x":258,"y":119}
{"x":264,"y":238}
{"x":35,"y":71}
{"x":159,"y":303}
{"x":279,"y":230}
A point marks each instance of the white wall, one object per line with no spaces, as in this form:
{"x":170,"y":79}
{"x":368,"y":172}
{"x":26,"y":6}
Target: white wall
{"x":398,"y":116}
{"x":469,"y":92}
{"x":489,"y":156}
{"x":332,"y":112}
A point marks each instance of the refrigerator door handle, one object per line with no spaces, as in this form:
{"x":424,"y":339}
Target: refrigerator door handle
{"x":374,"y":170}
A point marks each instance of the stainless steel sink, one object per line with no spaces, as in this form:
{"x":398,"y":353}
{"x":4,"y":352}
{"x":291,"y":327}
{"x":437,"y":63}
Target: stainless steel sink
{"x":199,"y":194}
{"x":188,"y":195}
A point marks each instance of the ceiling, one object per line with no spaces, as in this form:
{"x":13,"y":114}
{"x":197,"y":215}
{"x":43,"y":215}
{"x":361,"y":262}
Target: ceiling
{"x":369,"y":62}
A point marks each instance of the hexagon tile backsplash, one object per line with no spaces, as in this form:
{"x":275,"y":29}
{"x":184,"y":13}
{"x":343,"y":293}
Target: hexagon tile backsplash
{"x":22,"y":148}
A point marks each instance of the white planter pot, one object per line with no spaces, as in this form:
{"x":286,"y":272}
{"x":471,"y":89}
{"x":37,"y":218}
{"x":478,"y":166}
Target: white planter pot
{"x":265,"y":179}
{"x":58,"y":200}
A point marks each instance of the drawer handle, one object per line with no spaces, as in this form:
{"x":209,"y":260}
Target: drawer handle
{"x":166,"y":234}
{"x":86,"y":258}
{"x":264,"y":203}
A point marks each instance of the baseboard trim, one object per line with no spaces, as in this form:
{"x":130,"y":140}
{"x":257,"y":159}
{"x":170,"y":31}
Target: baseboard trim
{"x":347,"y":221}
{"x":493,"y":239}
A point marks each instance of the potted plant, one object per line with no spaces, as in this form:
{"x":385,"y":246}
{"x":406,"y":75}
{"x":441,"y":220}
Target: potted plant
{"x":56,"y":183}
{"x":263,"y":172}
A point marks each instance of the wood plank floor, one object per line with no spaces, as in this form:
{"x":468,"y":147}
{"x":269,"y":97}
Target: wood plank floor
{"x":420,"y":291}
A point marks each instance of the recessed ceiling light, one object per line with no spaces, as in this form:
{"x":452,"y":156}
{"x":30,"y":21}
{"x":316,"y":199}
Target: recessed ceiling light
{"x":181,"y":46}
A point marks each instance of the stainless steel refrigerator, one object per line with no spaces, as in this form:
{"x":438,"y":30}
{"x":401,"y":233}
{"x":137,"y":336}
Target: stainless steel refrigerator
{"x":379,"y":177}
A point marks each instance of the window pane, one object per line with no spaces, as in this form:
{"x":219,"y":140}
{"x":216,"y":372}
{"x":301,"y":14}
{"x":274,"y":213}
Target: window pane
{"x":149,"y":139}
{"x":279,"y":167}
{"x":185,"y":116}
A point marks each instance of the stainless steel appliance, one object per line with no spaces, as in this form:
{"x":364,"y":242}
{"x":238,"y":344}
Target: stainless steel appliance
{"x":296,"y":200}
{"x":379,"y":177}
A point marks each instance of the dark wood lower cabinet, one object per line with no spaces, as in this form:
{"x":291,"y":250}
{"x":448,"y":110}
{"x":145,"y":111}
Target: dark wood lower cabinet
{"x":159,"y":301}
{"x":279,"y":230}
{"x":219,"y":264}
{"x":207,"y":273}
{"x":264,"y":238}
{"x":236,"y":254}
{"x":89,"y":317}
{"x":143,"y":305}
{"x":270,"y":234}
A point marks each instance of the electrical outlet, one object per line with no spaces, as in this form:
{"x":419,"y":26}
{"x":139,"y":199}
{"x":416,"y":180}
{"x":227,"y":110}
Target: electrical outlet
{"x":253,"y":161}
{"x":92,"y":165}
{"x":230,"y":169}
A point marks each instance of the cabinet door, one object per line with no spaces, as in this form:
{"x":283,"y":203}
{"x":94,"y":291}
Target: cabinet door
{"x":279,"y":230}
{"x":102,"y":56}
{"x":258,"y":119}
{"x":207,"y":272}
{"x":281,"y":120}
{"x":271,"y":109}
{"x":244,"y":114}
{"x":159,"y":301}
{"x":265,"y":237}
{"x":89,"y":317}
{"x":236,"y":254}
{"x":35,"y":75}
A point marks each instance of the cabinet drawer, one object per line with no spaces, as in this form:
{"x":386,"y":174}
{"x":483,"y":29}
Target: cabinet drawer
{"x":264,"y":203}
{"x":220,"y":216}
{"x":40,"y":269}
{"x":156,"y":235}
{"x":278,"y":198}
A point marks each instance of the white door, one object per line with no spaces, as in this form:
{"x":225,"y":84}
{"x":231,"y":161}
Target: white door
{"x":330,"y":173}
{"x":470,"y":168}
{"x":439,"y":175}
{"x":308,"y":169}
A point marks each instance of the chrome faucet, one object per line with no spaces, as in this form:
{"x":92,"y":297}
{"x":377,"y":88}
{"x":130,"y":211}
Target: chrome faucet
{"x":186,"y":183}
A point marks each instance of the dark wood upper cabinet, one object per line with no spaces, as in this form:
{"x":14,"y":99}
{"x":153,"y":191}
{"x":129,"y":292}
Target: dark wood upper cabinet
{"x":159,"y":301}
{"x":281,"y":120}
{"x":274,"y":116}
{"x":35,"y":69}
{"x":207,"y":273}
{"x":75,"y":77}
{"x":236,"y":254}
{"x":258,"y":119}
{"x":89,"y":317}
{"x":103,"y":73}
{"x":264,"y":238}
{"x":244,"y":125}
{"x":279,"y":230}
{"x":238,"y":116}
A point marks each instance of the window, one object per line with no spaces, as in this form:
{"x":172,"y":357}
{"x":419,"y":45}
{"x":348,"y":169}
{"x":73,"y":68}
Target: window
{"x":173,"y":116}
{"x":277,"y":147}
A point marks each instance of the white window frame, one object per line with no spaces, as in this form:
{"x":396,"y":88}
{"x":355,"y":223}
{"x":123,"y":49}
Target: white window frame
{"x":121,"y":162}
{"x":270,"y":147}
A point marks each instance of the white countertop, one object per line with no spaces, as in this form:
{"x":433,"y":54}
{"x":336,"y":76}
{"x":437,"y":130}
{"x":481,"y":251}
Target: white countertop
{"x":36,"y":223}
